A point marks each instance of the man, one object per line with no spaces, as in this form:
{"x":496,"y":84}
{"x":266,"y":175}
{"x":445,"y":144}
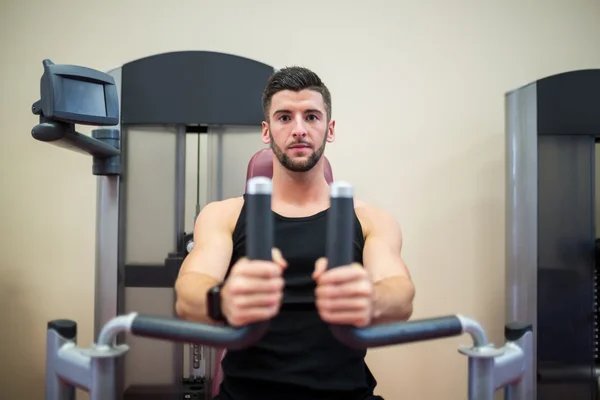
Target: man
{"x":298,"y":358}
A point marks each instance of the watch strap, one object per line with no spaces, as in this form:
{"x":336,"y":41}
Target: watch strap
{"x":214,"y":303}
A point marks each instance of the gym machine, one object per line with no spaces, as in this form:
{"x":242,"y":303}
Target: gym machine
{"x":552,"y":126}
{"x":184,"y":126}
{"x":76,"y":95}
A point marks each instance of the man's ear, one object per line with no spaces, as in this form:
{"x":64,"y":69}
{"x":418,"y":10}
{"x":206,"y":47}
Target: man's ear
{"x":331,"y":132}
{"x":265,"y":133}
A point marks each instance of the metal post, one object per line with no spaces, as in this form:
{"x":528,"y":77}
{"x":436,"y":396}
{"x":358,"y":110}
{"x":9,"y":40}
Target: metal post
{"x":521,"y":284}
{"x":524,"y":388}
{"x":107,"y":293}
{"x":481,"y":385}
{"x":481,"y":378}
{"x":56,"y":388}
{"x":220,"y":164}
{"x":214,"y":192}
{"x":180,"y":153}
{"x":180,"y":146}
{"x":109,"y":300}
{"x":104,"y":354}
{"x":104,"y":385}
{"x":215,"y":164}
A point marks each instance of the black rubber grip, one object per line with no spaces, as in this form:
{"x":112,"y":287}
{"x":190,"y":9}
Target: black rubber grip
{"x":398,"y":332}
{"x":259,"y":227}
{"x":175,"y":330}
{"x":340,"y":231}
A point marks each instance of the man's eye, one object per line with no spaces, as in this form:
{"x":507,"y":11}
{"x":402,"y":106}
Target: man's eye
{"x":284,"y":118}
{"x":313,"y":117}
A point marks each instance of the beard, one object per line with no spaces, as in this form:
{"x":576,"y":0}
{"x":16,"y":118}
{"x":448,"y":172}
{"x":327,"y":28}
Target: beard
{"x":297,"y":165}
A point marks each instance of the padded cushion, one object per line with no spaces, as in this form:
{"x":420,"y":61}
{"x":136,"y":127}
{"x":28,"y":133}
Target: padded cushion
{"x":261,"y":164}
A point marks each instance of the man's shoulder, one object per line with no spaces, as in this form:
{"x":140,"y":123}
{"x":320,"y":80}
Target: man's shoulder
{"x":225,"y":205}
{"x":371,"y":216}
{"x":368,"y":210}
{"x":224,"y":212}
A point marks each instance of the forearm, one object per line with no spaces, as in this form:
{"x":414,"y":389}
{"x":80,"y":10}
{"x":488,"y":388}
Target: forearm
{"x":392,"y":300}
{"x":191,"y":292}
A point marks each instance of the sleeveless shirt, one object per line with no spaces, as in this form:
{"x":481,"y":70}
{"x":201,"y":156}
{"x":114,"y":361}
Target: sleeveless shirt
{"x":298,"y":357}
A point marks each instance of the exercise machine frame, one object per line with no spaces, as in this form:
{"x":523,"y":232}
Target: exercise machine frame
{"x":158,"y":104}
{"x":94,"y":369}
{"x":552,"y":257}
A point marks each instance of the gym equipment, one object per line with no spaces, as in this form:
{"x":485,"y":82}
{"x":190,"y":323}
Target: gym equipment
{"x":552,"y":127}
{"x":179,"y":130}
{"x":95,"y":369}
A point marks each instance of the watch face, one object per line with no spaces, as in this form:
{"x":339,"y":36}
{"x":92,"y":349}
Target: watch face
{"x":214,"y":303}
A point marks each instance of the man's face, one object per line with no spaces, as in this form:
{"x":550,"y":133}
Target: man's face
{"x":298,"y":129}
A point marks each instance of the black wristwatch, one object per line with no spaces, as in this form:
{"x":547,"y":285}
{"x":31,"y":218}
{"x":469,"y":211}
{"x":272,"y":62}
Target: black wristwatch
{"x":213,"y":303}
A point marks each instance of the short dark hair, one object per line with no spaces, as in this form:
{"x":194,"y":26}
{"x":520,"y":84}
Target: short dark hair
{"x":296,"y":79}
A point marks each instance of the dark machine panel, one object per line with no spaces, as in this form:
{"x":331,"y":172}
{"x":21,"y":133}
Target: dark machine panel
{"x":190,"y":87}
{"x":569,"y":103}
{"x":566,"y":345}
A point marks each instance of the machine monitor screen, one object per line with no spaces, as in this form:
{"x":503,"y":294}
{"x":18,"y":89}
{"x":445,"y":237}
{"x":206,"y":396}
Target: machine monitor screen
{"x":78,"y":95}
{"x":81,"y":97}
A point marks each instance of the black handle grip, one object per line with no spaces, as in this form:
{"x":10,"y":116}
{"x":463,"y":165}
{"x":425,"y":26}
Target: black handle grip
{"x":340,"y":230}
{"x":259,"y":226}
{"x":398,"y":332}
{"x":340,"y":225}
{"x":176,"y":330}
{"x":259,"y":242}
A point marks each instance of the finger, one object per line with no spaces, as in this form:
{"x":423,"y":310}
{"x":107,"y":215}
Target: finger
{"x":356,"y":304}
{"x":320,"y":267}
{"x":256,"y":300}
{"x":252,"y":315}
{"x":249,"y":285}
{"x":342,"y":274}
{"x":278,"y":257}
{"x":258,"y":269}
{"x":357,"y":319}
{"x":358,"y":288}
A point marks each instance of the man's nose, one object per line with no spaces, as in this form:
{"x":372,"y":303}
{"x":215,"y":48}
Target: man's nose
{"x":299,"y":130}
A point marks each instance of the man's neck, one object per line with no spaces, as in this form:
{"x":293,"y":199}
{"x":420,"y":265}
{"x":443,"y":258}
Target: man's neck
{"x":299,"y":188}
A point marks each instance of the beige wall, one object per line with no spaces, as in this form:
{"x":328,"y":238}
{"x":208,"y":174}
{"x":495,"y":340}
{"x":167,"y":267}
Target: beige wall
{"x":418,"y":95}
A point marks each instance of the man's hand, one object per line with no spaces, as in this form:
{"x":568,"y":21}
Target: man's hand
{"x":344,"y":295}
{"x":253,"y":290}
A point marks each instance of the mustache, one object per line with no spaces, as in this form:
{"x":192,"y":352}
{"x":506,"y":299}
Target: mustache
{"x":299,"y":142}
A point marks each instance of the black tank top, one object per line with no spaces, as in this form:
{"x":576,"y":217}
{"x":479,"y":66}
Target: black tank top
{"x":298,"y":358}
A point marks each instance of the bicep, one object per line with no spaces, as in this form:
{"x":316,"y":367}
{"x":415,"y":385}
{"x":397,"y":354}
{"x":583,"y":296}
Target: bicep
{"x":383,"y":246}
{"x":213,"y":245}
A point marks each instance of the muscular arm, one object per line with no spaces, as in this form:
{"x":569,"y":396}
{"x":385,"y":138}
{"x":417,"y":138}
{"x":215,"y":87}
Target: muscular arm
{"x":206,"y":264}
{"x":393,"y":289}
